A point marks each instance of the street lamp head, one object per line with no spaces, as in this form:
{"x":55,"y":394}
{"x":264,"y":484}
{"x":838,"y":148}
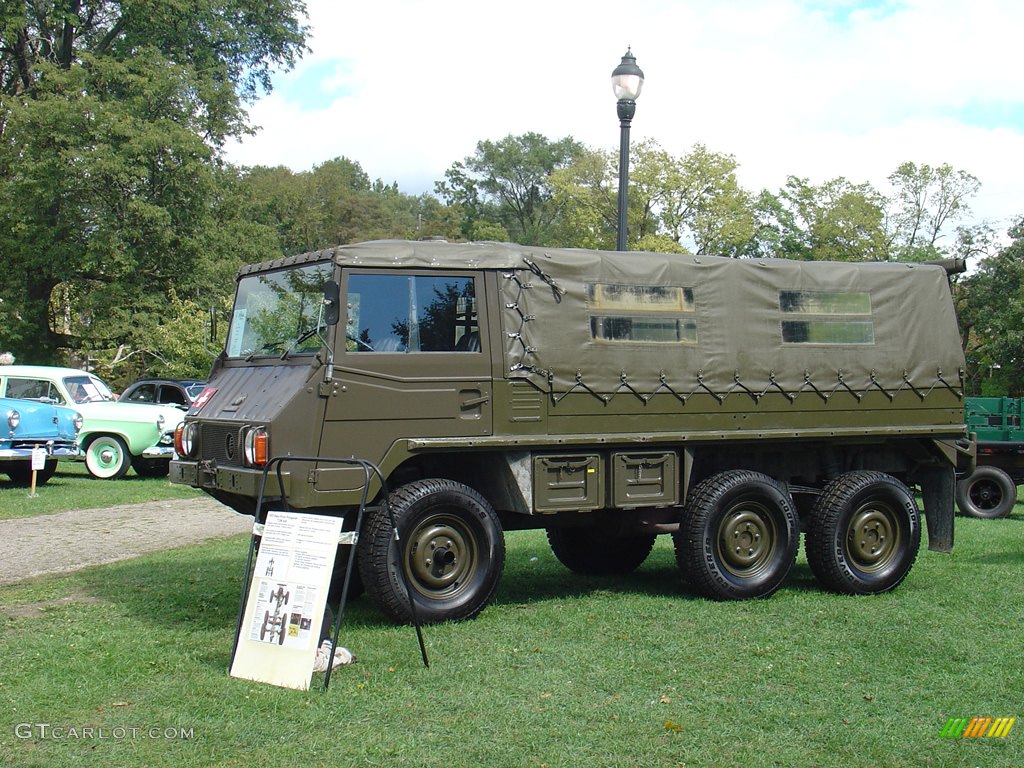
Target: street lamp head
{"x":627,"y":78}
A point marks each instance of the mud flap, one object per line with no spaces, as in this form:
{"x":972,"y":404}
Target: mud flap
{"x":937,"y":489}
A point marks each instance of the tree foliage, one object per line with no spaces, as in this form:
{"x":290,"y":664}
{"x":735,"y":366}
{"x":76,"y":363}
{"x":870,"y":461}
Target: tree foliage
{"x":991,"y":314}
{"x":507,"y":182}
{"x":112,"y":116}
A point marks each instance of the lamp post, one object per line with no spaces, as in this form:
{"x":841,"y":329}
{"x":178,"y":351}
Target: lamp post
{"x":627,"y":81}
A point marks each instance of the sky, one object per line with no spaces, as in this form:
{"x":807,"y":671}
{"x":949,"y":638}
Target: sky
{"x":818,"y":89}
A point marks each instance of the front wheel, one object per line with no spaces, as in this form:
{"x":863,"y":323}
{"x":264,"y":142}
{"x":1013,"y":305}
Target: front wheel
{"x":864,"y":533}
{"x":107,"y":457}
{"x":738,"y":537}
{"x":988,"y":493}
{"x":447,"y":559}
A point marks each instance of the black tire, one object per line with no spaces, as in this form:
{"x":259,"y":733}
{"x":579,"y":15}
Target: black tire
{"x":738,"y":537}
{"x":432,"y":516}
{"x":151,"y":467}
{"x":266,"y":623}
{"x":988,"y":493}
{"x":591,"y":552}
{"x":863,"y":534}
{"x":21,"y":472}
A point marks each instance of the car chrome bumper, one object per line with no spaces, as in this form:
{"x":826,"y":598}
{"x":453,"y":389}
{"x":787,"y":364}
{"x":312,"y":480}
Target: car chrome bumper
{"x":159,"y":452}
{"x":68,"y":450}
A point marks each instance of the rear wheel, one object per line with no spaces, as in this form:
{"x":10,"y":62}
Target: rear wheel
{"x":987,"y":493}
{"x":864,"y":533}
{"x":739,"y":536}
{"x":591,"y":552}
{"x":107,"y":457}
{"x":448,"y":556}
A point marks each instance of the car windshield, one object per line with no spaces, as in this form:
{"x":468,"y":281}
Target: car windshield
{"x":193,"y":390}
{"x":274,"y":309}
{"x":87,"y":389}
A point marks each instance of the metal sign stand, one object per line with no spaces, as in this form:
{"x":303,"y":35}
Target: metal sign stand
{"x":349,"y":538}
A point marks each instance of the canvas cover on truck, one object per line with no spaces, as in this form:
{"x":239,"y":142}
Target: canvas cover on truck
{"x":641,"y":323}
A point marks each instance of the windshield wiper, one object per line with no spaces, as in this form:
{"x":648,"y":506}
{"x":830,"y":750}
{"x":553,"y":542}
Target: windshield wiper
{"x":304,"y":336}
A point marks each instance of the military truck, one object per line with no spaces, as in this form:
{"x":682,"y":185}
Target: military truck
{"x":606,"y":397}
{"x":991,"y":490}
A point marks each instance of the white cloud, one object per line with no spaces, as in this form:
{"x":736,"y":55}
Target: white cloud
{"x":815,"y":88}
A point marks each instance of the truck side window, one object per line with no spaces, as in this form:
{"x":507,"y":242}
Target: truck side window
{"x":826,"y":317}
{"x":411,"y":313}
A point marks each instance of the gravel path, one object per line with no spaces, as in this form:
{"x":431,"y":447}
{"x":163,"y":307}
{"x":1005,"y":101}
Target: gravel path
{"x":67,"y":541}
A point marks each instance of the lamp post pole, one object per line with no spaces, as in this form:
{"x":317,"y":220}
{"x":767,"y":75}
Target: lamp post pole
{"x":627,"y":81}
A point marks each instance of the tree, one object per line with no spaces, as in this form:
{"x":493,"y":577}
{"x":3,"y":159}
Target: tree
{"x":507,"y":182}
{"x":991,"y":314}
{"x":837,"y":221}
{"x":112,"y":116}
{"x":926,"y":199}
{"x":675,"y":203}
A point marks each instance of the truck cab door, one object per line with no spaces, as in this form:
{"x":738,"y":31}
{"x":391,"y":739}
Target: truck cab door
{"x":411,"y":361}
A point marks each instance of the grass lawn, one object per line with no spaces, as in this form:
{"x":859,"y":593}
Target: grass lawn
{"x":73,"y":488}
{"x":559,"y":671}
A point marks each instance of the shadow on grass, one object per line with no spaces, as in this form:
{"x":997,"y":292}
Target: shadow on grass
{"x":199,"y":588}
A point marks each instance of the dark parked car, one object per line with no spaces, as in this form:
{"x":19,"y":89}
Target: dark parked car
{"x":163,"y":391}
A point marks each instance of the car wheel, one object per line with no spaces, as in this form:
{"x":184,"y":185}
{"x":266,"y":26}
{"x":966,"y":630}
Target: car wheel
{"x":738,"y":537}
{"x":107,"y":458}
{"x":988,"y":493}
{"x":447,"y":558}
{"x":592,"y":552}
{"x":863,"y":533}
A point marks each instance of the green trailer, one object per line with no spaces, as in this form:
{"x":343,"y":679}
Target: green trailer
{"x":991,"y":490}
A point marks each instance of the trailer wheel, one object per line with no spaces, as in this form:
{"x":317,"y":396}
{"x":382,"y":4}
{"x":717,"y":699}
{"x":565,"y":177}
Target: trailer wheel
{"x":590,"y":552}
{"x":863,"y":534}
{"x":988,"y":493}
{"x":738,"y":537}
{"x":450,"y":553}
{"x":107,"y":457}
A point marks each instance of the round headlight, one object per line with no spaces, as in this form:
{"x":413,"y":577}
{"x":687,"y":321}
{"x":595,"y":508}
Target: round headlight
{"x":13,"y":419}
{"x":188,"y":439}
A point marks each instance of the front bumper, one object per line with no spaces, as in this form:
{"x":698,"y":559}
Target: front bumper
{"x":53,"y":450}
{"x":159,"y":452}
{"x":240,"y":481}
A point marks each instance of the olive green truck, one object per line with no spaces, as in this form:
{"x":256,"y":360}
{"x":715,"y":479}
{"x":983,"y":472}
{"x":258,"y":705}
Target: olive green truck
{"x":605,"y":397}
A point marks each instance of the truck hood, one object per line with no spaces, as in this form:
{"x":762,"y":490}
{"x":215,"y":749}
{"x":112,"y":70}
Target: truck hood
{"x":253,"y":392}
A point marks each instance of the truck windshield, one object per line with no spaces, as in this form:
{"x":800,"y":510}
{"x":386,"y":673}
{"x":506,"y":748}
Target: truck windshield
{"x":275,"y":309}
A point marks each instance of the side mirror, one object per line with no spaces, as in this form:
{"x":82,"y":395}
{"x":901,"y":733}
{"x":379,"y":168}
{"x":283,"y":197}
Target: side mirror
{"x":213,"y":325}
{"x":332,"y":302}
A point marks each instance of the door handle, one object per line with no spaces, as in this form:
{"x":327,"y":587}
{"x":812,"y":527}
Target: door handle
{"x":475,"y":401}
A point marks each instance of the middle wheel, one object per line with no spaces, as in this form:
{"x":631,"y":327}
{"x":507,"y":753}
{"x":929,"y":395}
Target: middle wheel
{"x":739,"y":535}
{"x":449,"y":554}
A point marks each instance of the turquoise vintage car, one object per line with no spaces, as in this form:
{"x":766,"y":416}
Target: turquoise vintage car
{"x":114,"y":436}
{"x":27,"y":426}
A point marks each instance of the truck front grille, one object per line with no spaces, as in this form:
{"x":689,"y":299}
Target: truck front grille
{"x":222,"y":443}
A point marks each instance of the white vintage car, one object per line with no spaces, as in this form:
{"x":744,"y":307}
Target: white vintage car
{"x":114,"y":436}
